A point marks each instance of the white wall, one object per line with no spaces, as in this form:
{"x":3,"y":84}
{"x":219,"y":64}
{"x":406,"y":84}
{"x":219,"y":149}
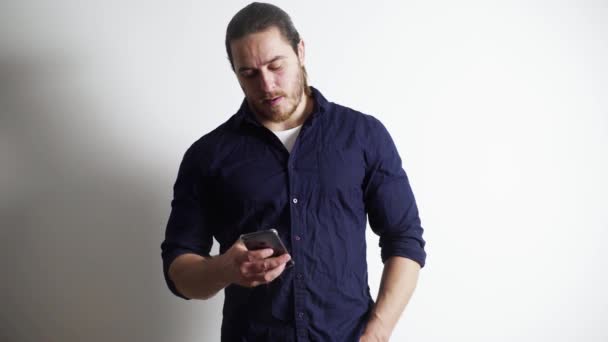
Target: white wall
{"x":499,"y":110}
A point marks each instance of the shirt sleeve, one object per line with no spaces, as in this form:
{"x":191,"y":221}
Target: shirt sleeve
{"x":187,"y":231}
{"x":389,"y":200}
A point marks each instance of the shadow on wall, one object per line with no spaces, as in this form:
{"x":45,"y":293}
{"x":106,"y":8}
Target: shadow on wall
{"x":81,"y":222}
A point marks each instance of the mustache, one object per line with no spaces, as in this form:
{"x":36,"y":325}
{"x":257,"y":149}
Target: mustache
{"x":268,"y":97}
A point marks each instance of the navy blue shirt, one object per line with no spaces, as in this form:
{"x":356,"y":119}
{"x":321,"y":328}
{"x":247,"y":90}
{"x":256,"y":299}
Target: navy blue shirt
{"x":343,"y":169}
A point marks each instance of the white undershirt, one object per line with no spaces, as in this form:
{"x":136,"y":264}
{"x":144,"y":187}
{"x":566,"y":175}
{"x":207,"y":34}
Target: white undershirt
{"x":288,"y":137}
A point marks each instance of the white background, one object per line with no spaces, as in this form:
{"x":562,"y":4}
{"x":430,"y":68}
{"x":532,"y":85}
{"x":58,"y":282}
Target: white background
{"x":499,"y":110}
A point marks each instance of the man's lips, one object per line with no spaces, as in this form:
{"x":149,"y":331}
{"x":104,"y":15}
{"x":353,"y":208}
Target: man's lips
{"x":273,"y":101}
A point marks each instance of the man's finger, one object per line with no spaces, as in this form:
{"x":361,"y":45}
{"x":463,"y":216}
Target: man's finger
{"x":260,"y":267}
{"x":260,"y":254}
{"x":269,"y":264}
{"x":266,"y":277}
{"x":274,"y":273}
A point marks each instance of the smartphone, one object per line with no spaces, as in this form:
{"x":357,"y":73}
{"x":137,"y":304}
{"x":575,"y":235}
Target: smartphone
{"x":266,"y":239}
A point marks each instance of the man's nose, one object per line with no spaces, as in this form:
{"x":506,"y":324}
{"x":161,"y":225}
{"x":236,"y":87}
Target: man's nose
{"x":267,"y":81}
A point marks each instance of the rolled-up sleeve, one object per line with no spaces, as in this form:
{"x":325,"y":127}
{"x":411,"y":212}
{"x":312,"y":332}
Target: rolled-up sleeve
{"x":389,"y":200}
{"x":187,"y":231}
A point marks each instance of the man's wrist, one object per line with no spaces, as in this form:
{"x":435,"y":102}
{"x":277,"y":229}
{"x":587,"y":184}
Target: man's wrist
{"x":376,"y":328}
{"x":225,"y":269}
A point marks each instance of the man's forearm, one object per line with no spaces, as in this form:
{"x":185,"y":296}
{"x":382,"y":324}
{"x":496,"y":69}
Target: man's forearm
{"x":198,"y":277}
{"x":399,"y":279}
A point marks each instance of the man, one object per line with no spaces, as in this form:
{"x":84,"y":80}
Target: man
{"x":312,"y":169}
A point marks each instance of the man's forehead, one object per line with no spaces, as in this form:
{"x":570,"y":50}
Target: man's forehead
{"x":261,"y":47}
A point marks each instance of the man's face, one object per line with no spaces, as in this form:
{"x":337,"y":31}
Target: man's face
{"x":270,"y":74}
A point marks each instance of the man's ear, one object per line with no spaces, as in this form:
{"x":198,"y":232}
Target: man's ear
{"x":301,"y":52}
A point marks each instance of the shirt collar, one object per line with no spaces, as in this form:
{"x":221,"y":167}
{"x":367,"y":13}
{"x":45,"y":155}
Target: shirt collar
{"x":320,"y":106}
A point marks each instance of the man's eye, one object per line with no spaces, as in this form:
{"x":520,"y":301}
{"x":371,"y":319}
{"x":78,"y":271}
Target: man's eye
{"x":248,"y":73}
{"x":275,"y":66}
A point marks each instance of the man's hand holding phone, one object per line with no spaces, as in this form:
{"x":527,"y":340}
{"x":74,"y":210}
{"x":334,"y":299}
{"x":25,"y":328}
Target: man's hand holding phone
{"x":250,"y":268}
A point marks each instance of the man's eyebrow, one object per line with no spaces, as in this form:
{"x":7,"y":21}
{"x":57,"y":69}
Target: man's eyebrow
{"x":245,"y":68}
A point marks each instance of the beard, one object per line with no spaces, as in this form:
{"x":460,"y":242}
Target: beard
{"x":288,"y":104}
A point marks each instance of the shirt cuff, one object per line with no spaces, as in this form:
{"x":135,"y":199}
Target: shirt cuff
{"x":406,"y":249}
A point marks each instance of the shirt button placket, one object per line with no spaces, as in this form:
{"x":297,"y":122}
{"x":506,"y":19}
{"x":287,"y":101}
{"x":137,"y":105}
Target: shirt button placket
{"x":299,"y":284}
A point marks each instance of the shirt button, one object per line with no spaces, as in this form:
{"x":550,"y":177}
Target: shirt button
{"x":297,"y":238}
{"x":295,"y":200}
{"x":300,"y":315}
{"x":299,"y":276}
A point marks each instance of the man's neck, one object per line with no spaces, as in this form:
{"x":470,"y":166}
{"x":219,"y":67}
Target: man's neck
{"x":299,"y":116}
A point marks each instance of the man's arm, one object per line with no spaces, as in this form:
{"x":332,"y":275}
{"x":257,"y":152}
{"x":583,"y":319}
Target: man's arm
{"x":199,"y":277}
{"x":399,"y":278}
{"x":393,"y":215}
